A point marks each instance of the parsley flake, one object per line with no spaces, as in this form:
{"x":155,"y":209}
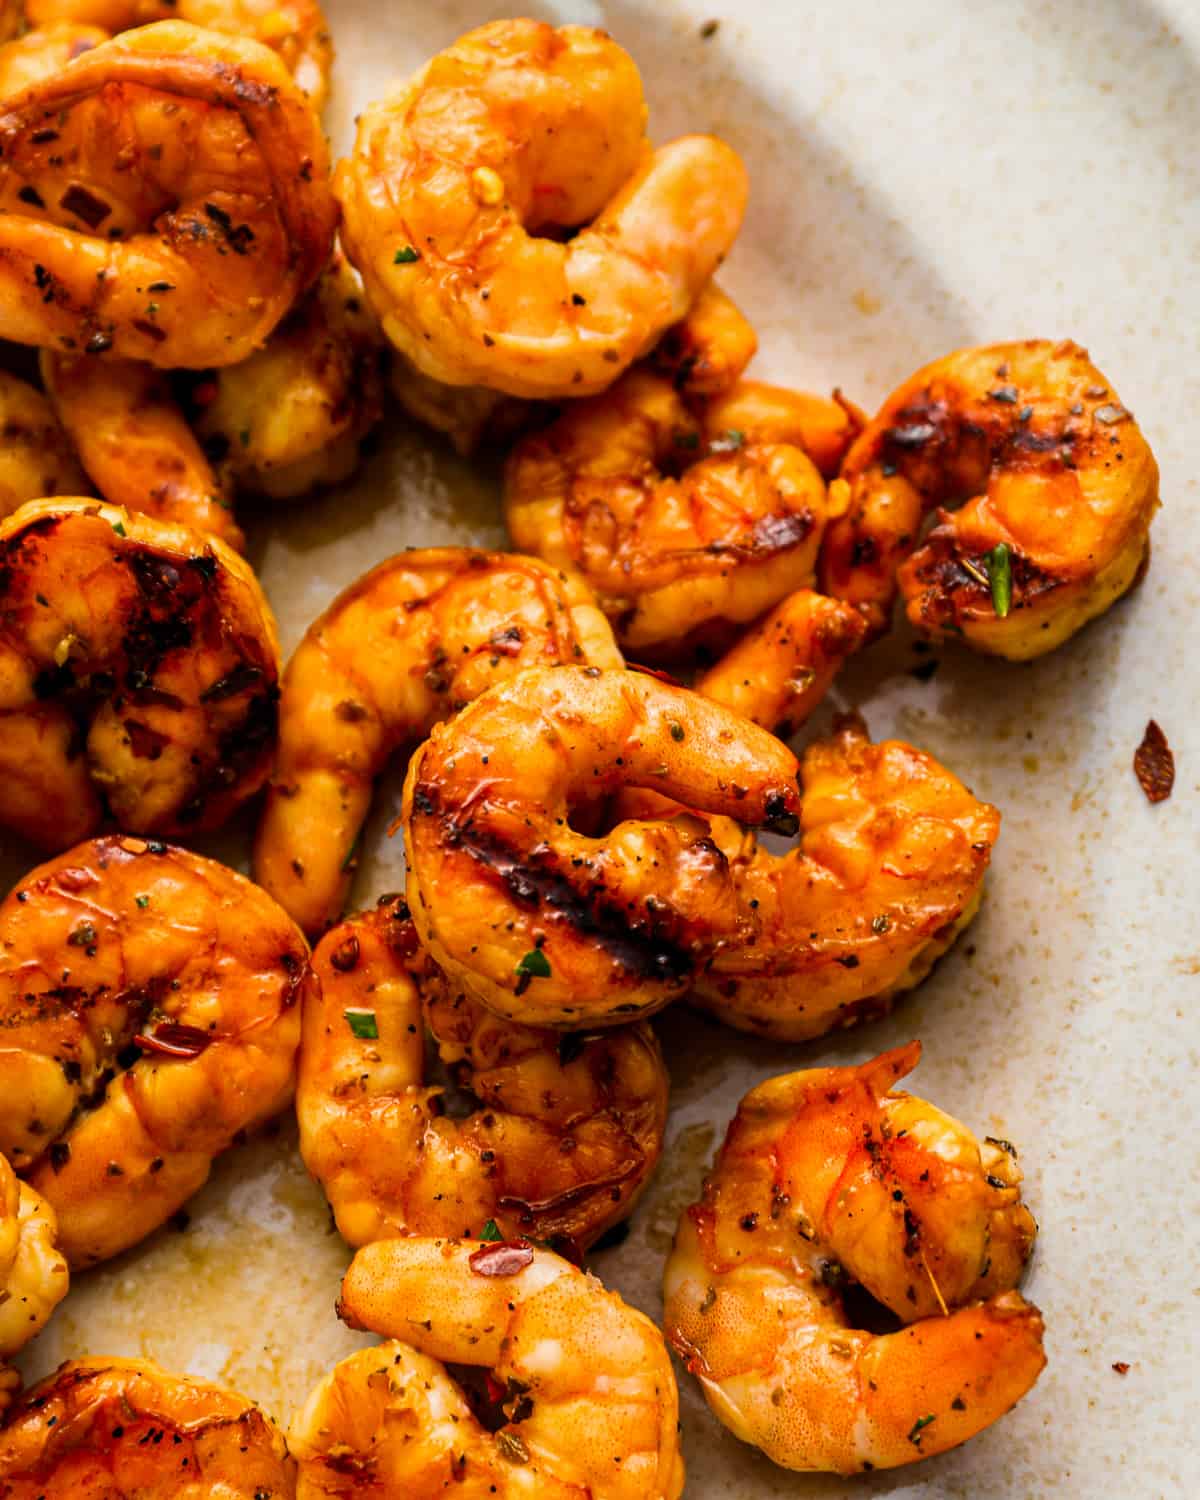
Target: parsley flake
{"x":405,"y":257}
{"x":999,"y":571}
{"x":362,"y":1023}
{"x":535,"y":963}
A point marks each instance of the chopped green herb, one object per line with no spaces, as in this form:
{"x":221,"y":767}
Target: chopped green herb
{"x":82,"y":936}
{"x":729,"y":441}
{"x":405,"y":257}
{"x":363,"y":1024}
{"x":917,"y":1426}
{"x":535,"y":963}
{"x":490,"y":1232}
{"x":143,"y":901}
{"x":119,"y":528}
{"x":999,"y":569}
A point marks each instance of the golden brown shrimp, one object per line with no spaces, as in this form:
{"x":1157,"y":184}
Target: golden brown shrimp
{"x":40,"y":54}
{"x":132,"y":438}
{"x":186,"y":241}
{"x":585,"y":1387}
{"x":705,"y":353}
{"x":36,"y":458}
{"x":826,"y":1180}
{"x":780,"y":670}
{"x":138,"y":670}
{"x":888,"y":873}
{"x":1060,"y":489}
{"x":33,"y":1272}
{"x":568,"y":1131}
{"x":150,"y":1010}
{"x":404,"y":647}
{"x":549,"y":926}
{"x":674,"y":561}
{"x":124,"y":1429}
{"x":753,"y":412}
{"x":296,"y":29}
{"x":291,"y":418}
{"x":465,"y":183}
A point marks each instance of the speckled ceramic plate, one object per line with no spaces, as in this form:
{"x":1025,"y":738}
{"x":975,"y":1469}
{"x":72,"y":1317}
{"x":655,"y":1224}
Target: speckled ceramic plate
{"x":925,"y":176}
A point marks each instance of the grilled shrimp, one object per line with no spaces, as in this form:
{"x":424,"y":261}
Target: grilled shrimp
{"x":40,"y":54}
{"x":296,"y":29}
{"x":33,"y":1272}
{"x":751,"y":411}
{"x":138,"y":671}
{"x":585,"y":1387}
{"x":124,"y":1429}
{"x":36,"y":458}
{"x":681,"y":540}
{"x":543,"y":923}
{"x":164,"y":196}
{"x":464,"y":191}
{"x":149,"y":1004}
{"x":705,"y":353}
{"x":826,"y":1180}
{"x":404,"y":647}
{"x":888,"y":872}
{"x":568,"y":1131}
{"x":1060,"y":489}
{"x":132,"y":438}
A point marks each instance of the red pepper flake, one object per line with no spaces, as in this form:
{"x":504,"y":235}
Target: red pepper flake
{"x":504,"y":1258}
{"x":1154,"y":765}
{"x":1121,"y":1367}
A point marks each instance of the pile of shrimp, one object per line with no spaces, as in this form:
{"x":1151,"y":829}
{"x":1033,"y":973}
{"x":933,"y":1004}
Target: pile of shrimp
{"x":221,"y":313}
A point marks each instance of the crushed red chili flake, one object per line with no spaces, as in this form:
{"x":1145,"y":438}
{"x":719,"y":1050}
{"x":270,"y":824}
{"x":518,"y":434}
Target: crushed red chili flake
{"x":1121,"y":1367}
{"x":505,"y":1258}
{"x":1154,"y":764}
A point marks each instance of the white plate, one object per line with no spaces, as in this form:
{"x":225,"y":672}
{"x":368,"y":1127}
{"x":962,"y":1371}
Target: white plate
{"x":925,"y":176}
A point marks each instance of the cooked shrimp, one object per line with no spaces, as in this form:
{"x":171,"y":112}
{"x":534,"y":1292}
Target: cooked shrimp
{"x":40,"y":54}
{"x":138,"y":671}
{"x":780,"y":670}
{"x":291,"y":418}
{"x":33,"y":1273}
{"x":705,"y":353}
{"x":296,"y":29}
{"x":587,"y":1395}
{"x":888,"y":873}
{"x":1060,"y":489}
{"x":469,"y":415}
{"x":149,"y":1002}
{"x":164,"y":196}
{"x":568,"y":1131}
{"x":826,"y":1179}
{"x":131,"y":435}
{"x":464,"y":191}
{"x":404,"y":647}
{"x":547,"y":925}
{"x":36,"y":458}
{"x":753,"y":412}
{"x":124,"y":1429}
{"x":674,"y":561}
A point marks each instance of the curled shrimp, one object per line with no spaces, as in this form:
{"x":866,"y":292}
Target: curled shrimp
{"x":138,"y":673}
{"x":826,"y":1180}
{"x":751,"y":411}
{"x":33,"y":1271}
{"x":568,"y":1130}
{"x":681,"y":540}
{"x":548,"y":925}
{"x":888,"y":872}
{"x":296,"y":29}
{"x":41,"y":53}
{"x":36,"y":457}
{"x":105,"y":1429}
{"x":587,"y":1395}
{"x":149,"y":1006}
{"x":404,"y":647}
{"x":189,"y":243}
{"x":705,"y":353}
{"x":464,"y":183}
{"x":1060,"y":489}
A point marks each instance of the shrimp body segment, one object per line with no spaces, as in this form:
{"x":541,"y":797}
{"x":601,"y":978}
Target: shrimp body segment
{"x":152,"y":644}
{"x":33,"y":1271}
{"x":827,"y":1179}
{"x":149,"y":1004}
{"x":889,"y":870}
{"x":36,"y":457}
{"x":463,"y":184}
{"x":589,"y":1404}
{"x":401,"y":649}
{"x":124,"y":1429}
{"x":682,"y":540}
{"x":551,"y":926}
{"x":1051,"y":467}
{"x":186,"y":246}
{"x":41,"y":53}
{"x":568,"y":1130}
